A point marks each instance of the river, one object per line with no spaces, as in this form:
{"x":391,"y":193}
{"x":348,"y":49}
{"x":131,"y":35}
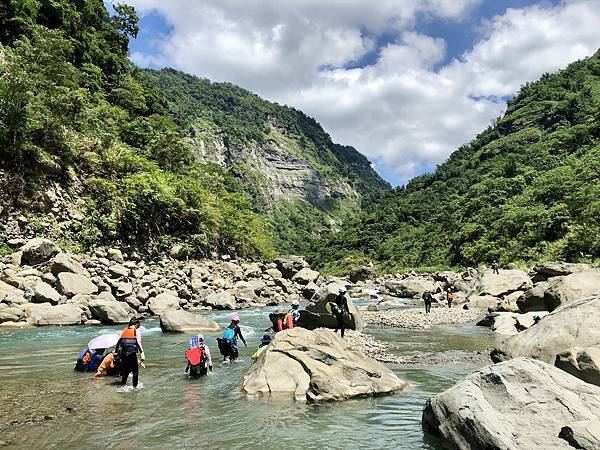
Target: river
{"x":45,"y":404}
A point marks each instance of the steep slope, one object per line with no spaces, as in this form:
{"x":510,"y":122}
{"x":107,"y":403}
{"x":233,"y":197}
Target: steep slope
{"x":284,"y":159}
{"x":527,"y":188}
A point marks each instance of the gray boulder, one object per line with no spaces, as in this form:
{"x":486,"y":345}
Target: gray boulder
{"x":37,"y":251}
{"x":361,"y":274}
{"x":487,"y":302}
{"x":118,"y":271}
{"x":305,"y":276}
{"x":162,"y":302}
{"x":543,"y":271}
{"x":110,"y":312}
{"x":562,"y":290}
{"x":290,"y":265}
{"x":573,"y":325}
{"x":115,"y":254}
{"x":519,"y":404}
{"x":499,"y":285}
{"x":67,"y":314}
{"x":411,"y":287}
{"x":317,"y":306}
{"x":72,"y":284}
{"x":64,"y":263}
{"x":317,"y":366}
{"x":533,"y":299}
{"x":221,"y":300}
{"x":43,"y":292}
{"x":583,"y":363}
{"x":181,"y":321}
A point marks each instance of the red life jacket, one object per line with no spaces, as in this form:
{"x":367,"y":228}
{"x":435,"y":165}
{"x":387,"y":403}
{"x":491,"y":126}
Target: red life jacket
{"x":196,"y":355}
{"x":289,"y":322}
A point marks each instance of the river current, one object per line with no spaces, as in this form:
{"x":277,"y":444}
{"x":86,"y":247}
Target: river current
{"x":45,"y":404}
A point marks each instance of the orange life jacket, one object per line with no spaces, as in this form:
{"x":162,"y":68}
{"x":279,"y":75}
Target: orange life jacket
{"x":129,"y":343}
{"x":289,"y":323}
{"x":450,"y":296}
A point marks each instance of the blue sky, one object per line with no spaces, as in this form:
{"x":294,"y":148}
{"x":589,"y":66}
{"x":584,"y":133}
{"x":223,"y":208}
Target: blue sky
{"x":404,"y":81}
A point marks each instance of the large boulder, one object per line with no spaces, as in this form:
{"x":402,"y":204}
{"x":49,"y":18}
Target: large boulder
{"x":412,"y":287}
{"x":290,"y":265}
{"x":562,"y":290}
{"x":572,"y":325}
{"x":43,"y":292}
{"x":519,"y":404}
{"x":37,"y":251}
{"x":162,"y":302}
{"x":361,"y":274}
{"x":317,"y":366}
{"x":584,"y":363}
{"x":64,"y":263}
{"x":181,"y":321}
{"x":221,"y":300}
{"x":533,"y":299}
{"x":543,"y":271}
{"x":72,"y":284}
{"x":110,"y":312}
{"x":510,"y":323}
{"x":322,"y":318}
{"x":67,"y":314}
{"x":499,"y":285}
{"x":305,"y":276}
{"x":487,"y":302}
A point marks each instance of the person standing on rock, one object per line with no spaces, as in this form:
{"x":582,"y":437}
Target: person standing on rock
{"x":495,"y":268}
{"x":450,"y":296}
{"x":428,"y":299}
{"x":129,"y":345}
{"x":341,"y":311}
{"x":294,"y":312}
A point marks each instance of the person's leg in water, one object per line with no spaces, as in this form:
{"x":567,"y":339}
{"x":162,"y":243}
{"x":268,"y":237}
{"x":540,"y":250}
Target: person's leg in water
{"x":135,"y":370}
{"x":126,"y":370}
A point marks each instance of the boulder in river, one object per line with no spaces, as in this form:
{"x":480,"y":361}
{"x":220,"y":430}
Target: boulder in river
{"x":487,"y":302}
{"x":573,"y":325}
{"x":110,"y":312}
{"x":317,"y":366}
{"x":562,"y":290}
{"x":162,"y":302}
{"x":181,"y":321}
{"x":518,"y":404}
{"x":67,"y":314}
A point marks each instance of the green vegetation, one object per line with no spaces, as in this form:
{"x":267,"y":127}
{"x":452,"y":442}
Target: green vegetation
{"x":72,"y":106}
{"x":526,"y":189}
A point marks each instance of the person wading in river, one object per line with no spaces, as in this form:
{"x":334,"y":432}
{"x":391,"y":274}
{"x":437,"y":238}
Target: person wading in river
{"x":129,"y":345}
{"x":428,"y":299}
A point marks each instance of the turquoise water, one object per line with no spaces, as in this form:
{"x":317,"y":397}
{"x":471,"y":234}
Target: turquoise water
{"x":172,"y":411}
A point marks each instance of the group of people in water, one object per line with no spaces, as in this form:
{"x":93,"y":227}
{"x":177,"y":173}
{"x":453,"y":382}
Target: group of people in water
{"x":129,"y":354}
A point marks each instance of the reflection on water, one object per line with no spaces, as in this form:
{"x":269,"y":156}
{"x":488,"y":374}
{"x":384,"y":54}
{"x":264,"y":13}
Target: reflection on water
{"x":37,"y":379}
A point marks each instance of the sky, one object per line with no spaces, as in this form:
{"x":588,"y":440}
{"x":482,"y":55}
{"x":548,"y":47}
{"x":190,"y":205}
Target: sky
{"x":406,"y":82}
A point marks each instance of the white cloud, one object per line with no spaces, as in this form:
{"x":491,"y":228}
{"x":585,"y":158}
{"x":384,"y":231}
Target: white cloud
{"x":403,"y":111}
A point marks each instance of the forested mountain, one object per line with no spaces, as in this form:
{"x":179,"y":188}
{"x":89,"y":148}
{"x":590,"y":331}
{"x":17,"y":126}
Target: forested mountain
{"x":526,"y":189}
{"x":154,"y":158}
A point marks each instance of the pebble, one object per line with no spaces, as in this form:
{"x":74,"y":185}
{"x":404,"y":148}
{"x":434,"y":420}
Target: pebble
{"x":416,"y":319}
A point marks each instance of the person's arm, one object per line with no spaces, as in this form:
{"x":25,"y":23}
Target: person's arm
{"x":208,"y":356}
{"x":238,"y":331}
{"x":138,"y":337}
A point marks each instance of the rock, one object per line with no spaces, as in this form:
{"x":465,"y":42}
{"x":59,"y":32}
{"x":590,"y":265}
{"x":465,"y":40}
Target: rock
{"x":43,"y":292}
{"x":178,"y":251}
{"x":124,"y":290}
{"x":562,"y":290}
{"x":64,"y":263}
{"x":274,"y":273}
{"x":118,"y":271}
{"x":573,"y":325}
{"x":67,"y":314}
{"x":519,"y":404}
{"x":290,"y":265}
{"x":486,"y":302}
{"x":16,"y":243}
{"x":543,"y":271}
{"x":37,"y":251}
{"x":509,"y":303}
{"x":361,"y":274}
{"x":142,"y":295}
{"x":110,"y":312}
{"x":244,"y":292}
{"x":412,"y":287}
{"x":499,"y":285}
{"x":8,"y":292}
{"x":257,"y":285}
{"x":583,"y":363}
{"x":533,"y":299}
{"x":115,"y":255}
{"x":180,"y":321}
{"x":162,"y":302}
{"x":317,"y":366}
{"x":309,"y":290}
{"x":305,"y":276}
{"x":72,"y":284}
{"x":509,"y":322}
{"x":234,"y":269}
{"x":11,"y":314}
{"x":221,"y":300}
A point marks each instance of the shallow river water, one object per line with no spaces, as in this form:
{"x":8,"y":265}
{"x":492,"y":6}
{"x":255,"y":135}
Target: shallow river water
{"x":45,"y":404}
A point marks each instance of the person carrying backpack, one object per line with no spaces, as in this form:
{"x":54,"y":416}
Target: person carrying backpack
{"x":228,"y":344}
{"x":129,"y":345}
{"x":428,"y":299}
{"x":199,"y":360}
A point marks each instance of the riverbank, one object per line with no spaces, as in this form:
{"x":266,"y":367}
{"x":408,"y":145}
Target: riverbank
{"x":417,"y":319}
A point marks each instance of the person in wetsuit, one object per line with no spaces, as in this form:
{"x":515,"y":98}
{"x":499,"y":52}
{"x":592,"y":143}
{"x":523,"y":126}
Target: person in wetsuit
{"x":232,"y":336}
{"x":341,"y":312}
{"x":428,"y":299}
{"x":129,"y":345}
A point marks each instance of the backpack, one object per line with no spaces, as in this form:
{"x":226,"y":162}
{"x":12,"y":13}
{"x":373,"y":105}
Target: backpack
{"x":197,"y":358}
{"x":229,"y":334}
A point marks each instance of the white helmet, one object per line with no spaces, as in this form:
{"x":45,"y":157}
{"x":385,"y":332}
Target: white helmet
{"x":295,"y":303}
{"x":200,"y":337}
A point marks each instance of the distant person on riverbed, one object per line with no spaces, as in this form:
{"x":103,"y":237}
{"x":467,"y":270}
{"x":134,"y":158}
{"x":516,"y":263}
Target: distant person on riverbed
{"x":341,"y":312}
{"x":495,"y":268}
{"x":128,"y":347}
{"x":428,"y":299}
{"x":450,"y":296}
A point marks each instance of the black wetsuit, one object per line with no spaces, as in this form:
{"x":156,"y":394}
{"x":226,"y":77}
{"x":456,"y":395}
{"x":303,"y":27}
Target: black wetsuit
{"x":428,"y":299}
{"x":233,"y":343}
{"x":129,"y":364}
{"x":342,"y":311}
